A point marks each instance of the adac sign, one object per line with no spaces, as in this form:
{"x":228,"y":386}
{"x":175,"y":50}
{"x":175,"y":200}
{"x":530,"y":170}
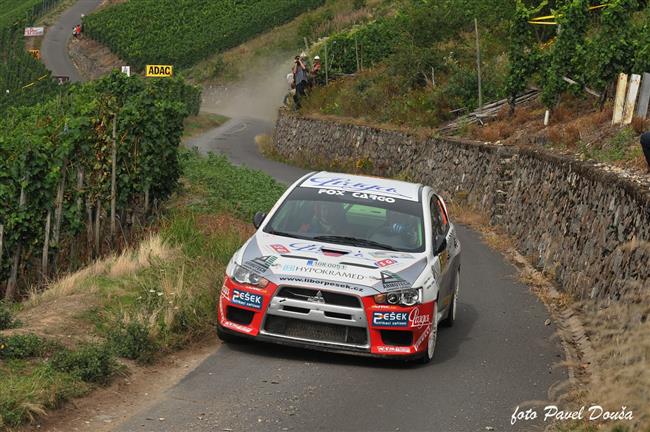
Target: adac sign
{"x":159,"y":70}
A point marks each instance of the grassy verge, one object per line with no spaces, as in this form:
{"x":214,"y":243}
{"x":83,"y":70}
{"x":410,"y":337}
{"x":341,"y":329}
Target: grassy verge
{"x":196,"y":125}
{"x":148,"y":301}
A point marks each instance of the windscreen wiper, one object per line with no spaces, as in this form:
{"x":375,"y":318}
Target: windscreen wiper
{"x":284,"y":234}
{"x":355,"y":242}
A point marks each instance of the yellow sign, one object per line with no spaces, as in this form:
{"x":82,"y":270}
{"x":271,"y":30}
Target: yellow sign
{"x":35,"y":53}
{"x":159,"y":70}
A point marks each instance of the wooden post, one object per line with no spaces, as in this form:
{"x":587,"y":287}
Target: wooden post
{"x":10,"y":292}
{"x":306,"y":43}
{"x":644,"y":97}
{"x":46,"y":246}
{"x":89,"y":224}
{"x":619,"y":101}
{"x":433,"y":77}
{"x":58,"y":216}
{"x":630,"y":100}
{"x":113,"y":176}
{"x":478,"y":66}
{"x":98,"y":211}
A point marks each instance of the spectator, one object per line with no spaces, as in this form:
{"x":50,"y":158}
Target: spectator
{"x":315,"y":72}
{"x":292,"y":89}
{"x":300,"y":78}
{"x":645,"y":145}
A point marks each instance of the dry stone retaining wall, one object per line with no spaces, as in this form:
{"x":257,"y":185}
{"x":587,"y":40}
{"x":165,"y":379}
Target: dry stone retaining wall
{"x":587,"y":226}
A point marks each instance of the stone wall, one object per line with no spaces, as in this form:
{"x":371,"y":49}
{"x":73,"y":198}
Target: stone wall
{"x":580,"y":222}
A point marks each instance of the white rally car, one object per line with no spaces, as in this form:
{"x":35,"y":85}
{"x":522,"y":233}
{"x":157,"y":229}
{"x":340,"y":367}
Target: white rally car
{"x":346,"y":263}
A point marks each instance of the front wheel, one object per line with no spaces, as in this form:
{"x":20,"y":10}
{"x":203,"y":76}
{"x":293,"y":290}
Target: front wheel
{"x":432,"y":339}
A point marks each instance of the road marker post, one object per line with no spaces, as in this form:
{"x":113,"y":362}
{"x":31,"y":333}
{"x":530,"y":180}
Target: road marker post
{"x":619,"y":101}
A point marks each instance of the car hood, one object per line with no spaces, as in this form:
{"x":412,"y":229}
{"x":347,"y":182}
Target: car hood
{"x":339,"y":268}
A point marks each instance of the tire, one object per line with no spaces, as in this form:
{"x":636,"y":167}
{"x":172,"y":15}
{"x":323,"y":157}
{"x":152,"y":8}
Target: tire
{"x":227,"y":337}
{"x":450,"y":319}
{"x":432,"y":339}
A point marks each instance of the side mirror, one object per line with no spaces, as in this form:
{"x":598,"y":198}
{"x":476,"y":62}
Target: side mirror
{"x":440,"y":245}
{"x":258,"y":219}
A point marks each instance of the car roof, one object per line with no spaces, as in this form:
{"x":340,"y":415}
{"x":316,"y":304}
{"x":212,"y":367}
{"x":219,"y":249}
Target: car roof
{"x":356,"y":183}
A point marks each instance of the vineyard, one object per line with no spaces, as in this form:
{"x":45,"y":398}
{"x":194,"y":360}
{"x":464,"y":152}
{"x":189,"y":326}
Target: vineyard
{"x":183,"y":32}
{"x":79,"y":171}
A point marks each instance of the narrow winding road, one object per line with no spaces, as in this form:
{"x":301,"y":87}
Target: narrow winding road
{"x":498,"y":356}
{"x":54,"y":50}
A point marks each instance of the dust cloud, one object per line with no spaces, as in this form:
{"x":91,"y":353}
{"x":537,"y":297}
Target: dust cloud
{"x":258,"y":95}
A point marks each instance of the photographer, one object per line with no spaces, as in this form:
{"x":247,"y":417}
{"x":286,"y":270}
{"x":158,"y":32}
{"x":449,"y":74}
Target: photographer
{"x":300,"y":76}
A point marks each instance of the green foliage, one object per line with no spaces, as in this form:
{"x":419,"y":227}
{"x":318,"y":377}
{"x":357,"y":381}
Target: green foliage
{"x":50,"y":144}
{"x":92,"y":363}
{"x":374,"y":42}
{"x":19,"y":69}
{"x":611,"y":50}
{"x":27,"y":389}
{"x":22,"y":346}
{"x":183,"y":32}
{"x":134,"y":342}
{"x":567,"y":56}
{"x":7,"y":320}
{"x":240,"y":190}
{"x":523,"y":52}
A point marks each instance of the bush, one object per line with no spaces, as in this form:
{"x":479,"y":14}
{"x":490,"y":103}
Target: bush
{"x":22,"y":346}
{"x":92,"y":363}
{"x":133,"y":341}
{"x":6,"y":317}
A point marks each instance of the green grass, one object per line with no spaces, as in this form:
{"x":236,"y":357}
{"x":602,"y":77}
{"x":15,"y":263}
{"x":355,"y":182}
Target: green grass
{"x":148,"y":302}
{"x":225,"y":187}
{"x":30,"y":387}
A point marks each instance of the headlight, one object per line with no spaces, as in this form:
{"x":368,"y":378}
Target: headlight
{"x":407,"y":297}
{"x":244,"y":276}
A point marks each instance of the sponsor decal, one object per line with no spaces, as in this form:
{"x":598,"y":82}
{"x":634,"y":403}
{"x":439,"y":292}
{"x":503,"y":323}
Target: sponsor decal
{"x":354,"y":186}
{"x":260,"y":265}
{"x":159,"y":70}
{"x":316,"y":263}
{"x":281,"y":249}
{"x":237,"y":327}
{"x":374,"y":197}
{"x":244,"y":298}
{"x":391,"y":254}
{"x":331,"y":192}
{"x":291,"y":268}
{"x":392,"y":281}
{"x":418,"y":321}
{"x":321,"y":283}
{"x":393,"y":349}
{"x":386,"y":262}
{"x":422,"y":337}
{"x":225,"y":291}
{"x":390,"y":319}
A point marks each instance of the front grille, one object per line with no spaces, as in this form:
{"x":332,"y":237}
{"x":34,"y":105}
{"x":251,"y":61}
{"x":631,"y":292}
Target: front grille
{"x":315,"y":331}
{"x":239,"y":316}
{"x":397,"y":337}
{"x":329,"y":297}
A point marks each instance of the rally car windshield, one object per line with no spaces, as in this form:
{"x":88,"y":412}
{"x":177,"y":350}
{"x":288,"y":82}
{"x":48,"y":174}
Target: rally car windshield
{"x":350,"y":218}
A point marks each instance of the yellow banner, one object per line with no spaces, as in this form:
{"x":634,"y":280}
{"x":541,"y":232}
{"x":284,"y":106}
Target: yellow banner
{"x":159,"y":70}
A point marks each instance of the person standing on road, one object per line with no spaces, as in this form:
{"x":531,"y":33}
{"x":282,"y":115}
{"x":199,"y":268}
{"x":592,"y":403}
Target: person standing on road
{"x":645,"y":145}
{"x":300,"y":78}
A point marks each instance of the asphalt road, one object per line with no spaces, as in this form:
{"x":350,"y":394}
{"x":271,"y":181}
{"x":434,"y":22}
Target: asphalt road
{"x":498,"y":355}
{"x":54,"y":51}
